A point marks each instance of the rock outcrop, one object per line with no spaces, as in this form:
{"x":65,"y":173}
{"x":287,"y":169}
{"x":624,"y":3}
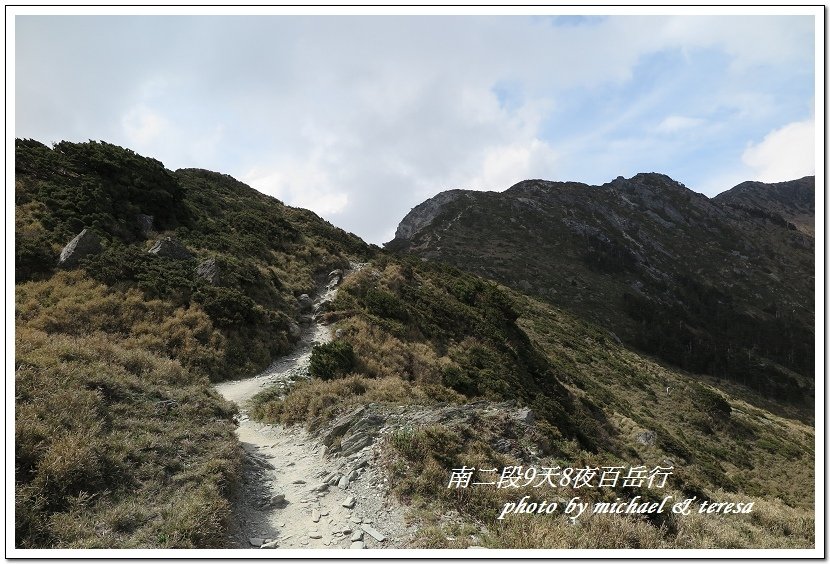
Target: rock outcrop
{"x":422,"y":215}
{"x":335,"y":276}
{"x":208,"y":270}
{"x":171,"y":248}
{"x":84,"y":244}
{"x":305,"y":302}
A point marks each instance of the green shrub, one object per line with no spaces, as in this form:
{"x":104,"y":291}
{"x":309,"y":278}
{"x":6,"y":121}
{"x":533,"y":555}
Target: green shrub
{"x":711,"y":403}
{"x":331,"y":360}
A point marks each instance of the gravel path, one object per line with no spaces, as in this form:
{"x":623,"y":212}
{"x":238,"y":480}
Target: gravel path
{"x":293,"y":496}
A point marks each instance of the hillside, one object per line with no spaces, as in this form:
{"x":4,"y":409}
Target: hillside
{"x":447,"y":370}
{"x":400,"y":370}
{"x":119,"y":438}
{"x":719,"y":286}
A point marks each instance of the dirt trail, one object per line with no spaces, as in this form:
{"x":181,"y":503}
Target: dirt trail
{"x":286,"y":500}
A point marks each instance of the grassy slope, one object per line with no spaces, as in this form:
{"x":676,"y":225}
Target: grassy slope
{"x":120,"y":440}
{"x":426,"y":334}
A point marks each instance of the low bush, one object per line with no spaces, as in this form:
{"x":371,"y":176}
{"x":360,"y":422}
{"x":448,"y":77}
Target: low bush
{"x":331,"y":360}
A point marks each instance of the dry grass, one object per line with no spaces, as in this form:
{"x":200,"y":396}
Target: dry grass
{"x":116,"y":445}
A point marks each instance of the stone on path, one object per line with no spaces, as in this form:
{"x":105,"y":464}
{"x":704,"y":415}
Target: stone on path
{"x":357,"y":536}
{"x":343,"y":483}
{"x":350,"y":501}
{"x":315,"y":535}
{"x":357,"y":545}
{"x":375,"y":534}
{"x":272,"y":544}
{"x":255,"y":541}
{"x":315,"y":515}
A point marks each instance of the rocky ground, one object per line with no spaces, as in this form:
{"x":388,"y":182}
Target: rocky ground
{"x":296,"y":493}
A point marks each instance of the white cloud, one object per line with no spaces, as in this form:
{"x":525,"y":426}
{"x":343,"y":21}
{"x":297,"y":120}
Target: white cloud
{"x":504,"y":166}
{"x":783,"y":154}
{"x":301,"y":185}
{"x":143,"y":126}
{"x":364,"y":117}
{"x":673,"y":124}
{"x":749,"y":41}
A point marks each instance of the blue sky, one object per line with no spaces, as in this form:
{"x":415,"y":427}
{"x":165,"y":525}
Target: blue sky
{"x":360,"y":118}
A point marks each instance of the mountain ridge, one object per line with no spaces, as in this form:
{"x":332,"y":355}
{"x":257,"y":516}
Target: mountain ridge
{"x":633,"y":253}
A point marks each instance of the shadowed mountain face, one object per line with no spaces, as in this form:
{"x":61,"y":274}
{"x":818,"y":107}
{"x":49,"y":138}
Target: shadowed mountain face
{"x":722,"y":286}
{"x":794,"y":201}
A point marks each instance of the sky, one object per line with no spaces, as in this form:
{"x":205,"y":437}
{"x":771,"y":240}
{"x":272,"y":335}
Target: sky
{"x":360,"y":118}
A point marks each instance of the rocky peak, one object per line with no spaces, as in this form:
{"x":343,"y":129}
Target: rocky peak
{"x":424,"y":213}
{"x":651,"y":184}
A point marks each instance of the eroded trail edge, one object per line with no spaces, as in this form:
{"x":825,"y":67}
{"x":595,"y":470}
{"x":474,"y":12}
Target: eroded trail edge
{"x":292,"y":494}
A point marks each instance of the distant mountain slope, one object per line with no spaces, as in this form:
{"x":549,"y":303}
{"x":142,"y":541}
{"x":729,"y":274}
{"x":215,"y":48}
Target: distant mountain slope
{"x":795,"y":201}
{"x":712,"y":285}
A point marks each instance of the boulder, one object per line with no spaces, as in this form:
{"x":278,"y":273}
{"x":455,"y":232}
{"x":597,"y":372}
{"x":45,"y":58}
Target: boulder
{"x":647,"y":438}
{"x":335,"y":276}
{"x":171,"y":248}
{"x":525,"y":415}
{"x":322,"y":307}
{"x":342,"y":425}
{"x":305,"y":302}
{"x":84,"y":244}
{"x":208,"y":270}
